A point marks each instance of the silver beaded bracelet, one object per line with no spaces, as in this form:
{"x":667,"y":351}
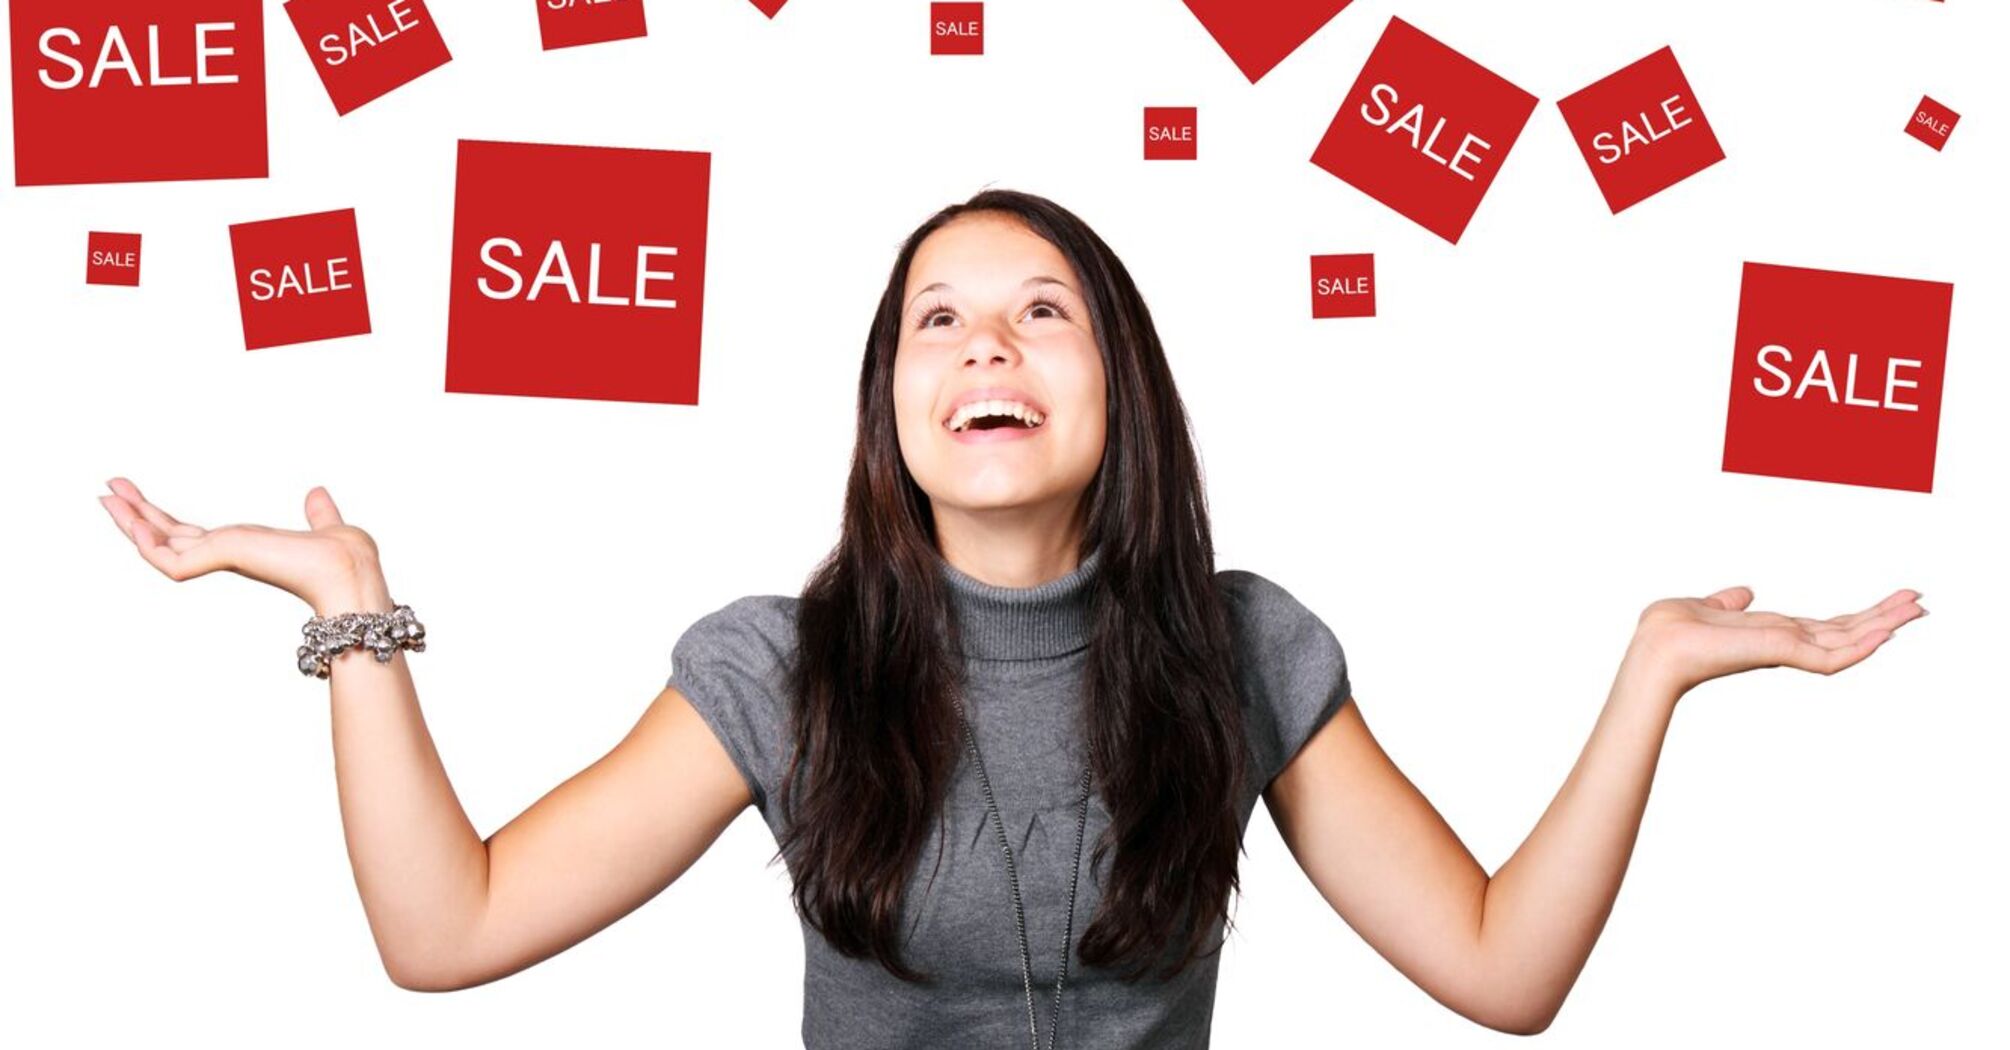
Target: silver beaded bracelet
{"x":382,"y":633}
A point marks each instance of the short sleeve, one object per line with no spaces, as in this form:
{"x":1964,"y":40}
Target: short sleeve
{"x":731,"y":665}
{"x":1292,"y":670}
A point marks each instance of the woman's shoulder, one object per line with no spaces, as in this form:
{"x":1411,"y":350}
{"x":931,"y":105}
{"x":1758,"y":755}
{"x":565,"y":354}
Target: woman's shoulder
{"x":731,"y":664}
{"x":1291,"y":667}
{"x":760,"y":620}
{"x":1263,"y":610}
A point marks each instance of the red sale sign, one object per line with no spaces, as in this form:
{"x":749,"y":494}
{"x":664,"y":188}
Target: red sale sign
{"x":1257,"y":36}
{"x":300,"y":279}
{"x":955,"y":29}
{"x":570,"y":23}
{"x":562,"y":293}
{"x":137,"y":90}
{"x":1343,"y":285}
{"x":1931,"y":123}
{"x":365,"y":48}
{"x":1641,"y":130}
{"x":1837,"y":377}
{"x":1424,"y":130}
{"x":114,"y":259}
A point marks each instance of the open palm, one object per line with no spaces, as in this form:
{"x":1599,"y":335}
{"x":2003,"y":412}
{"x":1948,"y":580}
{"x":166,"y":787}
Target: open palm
{"x":1697,"y":639}
{"x":312,"y":564}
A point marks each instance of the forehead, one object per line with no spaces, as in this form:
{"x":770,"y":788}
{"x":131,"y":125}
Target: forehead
{"x":982,"y":252}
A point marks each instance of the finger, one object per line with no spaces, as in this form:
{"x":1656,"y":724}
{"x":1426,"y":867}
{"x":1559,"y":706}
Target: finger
{"x":1901,"y":607}
{"x":1731,"y":598}
{"x":161,"y":520}
{"x":197,"y":558}
{"x":321,"y":511}
{"x":1898,"y":599}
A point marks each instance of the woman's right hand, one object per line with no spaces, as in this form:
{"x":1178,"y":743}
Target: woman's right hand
{"x":332,"y":565}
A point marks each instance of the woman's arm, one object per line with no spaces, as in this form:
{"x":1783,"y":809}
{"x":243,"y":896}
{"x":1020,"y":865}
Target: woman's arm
{"x":447,"y":908}
{"x":1505,"y":950}
{"x":450,"y":910}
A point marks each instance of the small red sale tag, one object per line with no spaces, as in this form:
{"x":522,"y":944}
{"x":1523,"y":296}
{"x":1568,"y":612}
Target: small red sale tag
{"x":1343,"y":285}
{"x":1931,"y":123}
{"x":1641,"y":130}
{"x":1424,"y":130}
{"x":558,"y":293}
{"x":570,"y":23}
{"x":114,"y":258}
{"x":1837,"y":377}
{"x":300,"y":279}
{"x":1171,"y":133}
{"x":1257,"y":36}
{"x":364,"y":48}
{"x":955,"y":29}
{"x":137,"y":91}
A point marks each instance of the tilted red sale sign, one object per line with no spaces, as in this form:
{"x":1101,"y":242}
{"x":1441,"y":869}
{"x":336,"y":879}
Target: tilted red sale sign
{"x":1424,"y":130}
{"x":365,"y":48}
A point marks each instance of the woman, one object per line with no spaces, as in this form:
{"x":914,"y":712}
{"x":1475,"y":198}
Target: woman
{"x":1020,"y":645}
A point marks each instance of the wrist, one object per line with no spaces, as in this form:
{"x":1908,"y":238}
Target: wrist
{"x":360,"y":590}
{"x":1643,"y":673}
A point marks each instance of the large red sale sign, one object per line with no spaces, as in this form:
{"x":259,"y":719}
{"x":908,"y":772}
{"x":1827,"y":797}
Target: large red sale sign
{"x":1837,"y":377}
{"x":578,"y":271}
{"x":137,"y":90}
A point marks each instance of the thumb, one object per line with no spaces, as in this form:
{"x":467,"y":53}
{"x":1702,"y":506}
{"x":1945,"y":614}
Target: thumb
{"x":321,"y":511}
{"x":1733,"y":598}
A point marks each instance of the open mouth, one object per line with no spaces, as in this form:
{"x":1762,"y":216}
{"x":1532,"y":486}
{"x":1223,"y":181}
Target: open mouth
{"x":995,"y":415}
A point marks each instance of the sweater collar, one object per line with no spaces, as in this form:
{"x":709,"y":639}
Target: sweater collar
{"x":1022,"y":623}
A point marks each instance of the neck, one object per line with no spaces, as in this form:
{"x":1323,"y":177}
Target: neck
{"x":1044,"y":618}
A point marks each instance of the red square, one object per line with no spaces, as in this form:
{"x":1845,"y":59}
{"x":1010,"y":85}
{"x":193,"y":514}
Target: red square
{"x":1932,"y":123}
{"x":1257,"y":36}
{"x":365,"y":48}
{"x":1172,"y":133}
{"x":569,"y":23}
{"x":562,"y":293}
{"x":1424,"y":130}
{"x":137,"y":91}
{"x":769,"y":7}
{"x":300,"y":279}
{"x":1837,"y":377}
{"x":114,"y":258}
{"x":1641,"y":130}
{"x":955,"y":29}
{"x":1343,"y":285}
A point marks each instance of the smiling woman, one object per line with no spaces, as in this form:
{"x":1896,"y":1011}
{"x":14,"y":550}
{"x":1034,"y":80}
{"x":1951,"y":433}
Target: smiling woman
{"x":1010,"y":734}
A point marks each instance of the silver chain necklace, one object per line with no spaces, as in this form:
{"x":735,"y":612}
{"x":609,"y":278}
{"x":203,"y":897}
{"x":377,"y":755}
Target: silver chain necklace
{"x":1018,"y":908}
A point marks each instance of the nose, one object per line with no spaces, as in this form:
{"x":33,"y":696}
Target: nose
{"x":988,"y":344}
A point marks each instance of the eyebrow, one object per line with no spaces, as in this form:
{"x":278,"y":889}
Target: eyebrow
{"x":1027,"y":283}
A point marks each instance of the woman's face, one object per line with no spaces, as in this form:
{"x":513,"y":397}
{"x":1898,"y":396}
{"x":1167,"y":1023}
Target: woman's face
{"x":993,"y":312}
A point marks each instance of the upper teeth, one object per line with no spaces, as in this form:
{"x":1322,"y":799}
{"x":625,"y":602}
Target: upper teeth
{"x":977,"y":409}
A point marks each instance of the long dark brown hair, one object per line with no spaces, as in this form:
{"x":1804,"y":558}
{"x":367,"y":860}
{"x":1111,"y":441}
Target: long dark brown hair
{"x":876,"y":738}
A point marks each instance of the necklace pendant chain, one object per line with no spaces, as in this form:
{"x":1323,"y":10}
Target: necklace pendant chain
{"x":1018,"y":906}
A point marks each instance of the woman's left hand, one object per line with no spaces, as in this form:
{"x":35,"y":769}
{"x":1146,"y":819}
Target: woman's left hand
{"x":1693,"y":640}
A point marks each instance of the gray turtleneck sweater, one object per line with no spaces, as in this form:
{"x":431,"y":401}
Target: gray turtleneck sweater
{"x":1024,"y":651}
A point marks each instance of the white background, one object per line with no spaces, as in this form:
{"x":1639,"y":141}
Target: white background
{"x":1478,"y":489}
